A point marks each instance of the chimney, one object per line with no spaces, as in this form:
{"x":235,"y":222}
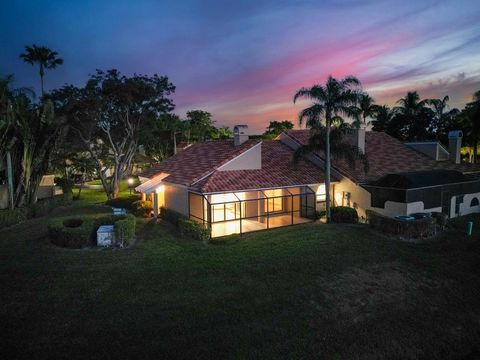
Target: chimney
{"x":359,"y":138}
{"x":454,"y":145}
{"x":240,"y":134}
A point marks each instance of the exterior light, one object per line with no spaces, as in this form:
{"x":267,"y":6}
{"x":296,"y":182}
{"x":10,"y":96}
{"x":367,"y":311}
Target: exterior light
{"x":130,"y":181}
{"x":159,"y":189}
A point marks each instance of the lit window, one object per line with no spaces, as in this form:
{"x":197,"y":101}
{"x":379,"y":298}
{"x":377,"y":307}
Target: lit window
{"x":274,"y":202}
{"x":321,"y":193}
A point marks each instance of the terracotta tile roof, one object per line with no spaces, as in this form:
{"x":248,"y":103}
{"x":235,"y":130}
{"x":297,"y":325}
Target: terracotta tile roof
{"x":386,"y":155}
{"x":197,"y":161}
{"x":277,"y":171}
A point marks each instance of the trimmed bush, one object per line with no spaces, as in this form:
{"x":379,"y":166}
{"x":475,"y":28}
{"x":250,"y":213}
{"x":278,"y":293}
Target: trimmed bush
{"x":171,"y":216}
{"x":142,"y":208}
{"x":71,"y":237}
{"x":126,"y":202}
{"x":409,"y":229}
{"x":344,"y":214}
{"x":77,"y":232}
{"x":125,"y":230}
{"x":190,"y":229}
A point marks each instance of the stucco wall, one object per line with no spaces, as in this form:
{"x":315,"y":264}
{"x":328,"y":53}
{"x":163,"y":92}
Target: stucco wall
{"x":176,"y":198}
{"x":250,"y":159}
{"x":465,"y":207}
{"x":3,"y":196}
{"x":359,"y":197}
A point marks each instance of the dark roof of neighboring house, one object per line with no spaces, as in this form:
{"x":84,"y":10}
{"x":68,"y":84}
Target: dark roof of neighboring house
{"x":421,"y":179}
{"x":197,"y":161}
{"x":385,"y":155}
{"x":277,"y":171}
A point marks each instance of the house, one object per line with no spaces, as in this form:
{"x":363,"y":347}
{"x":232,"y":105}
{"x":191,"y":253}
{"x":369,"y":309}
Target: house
{"x":241,"y":185}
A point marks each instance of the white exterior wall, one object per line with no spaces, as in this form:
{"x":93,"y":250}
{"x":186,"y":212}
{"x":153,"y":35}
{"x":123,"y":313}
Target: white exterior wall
{"x":419,"y":207}
{"x":176,"y":198}
{"x":465,"y":207}
{"x":359,"y":197}
{"x":248,"y":160}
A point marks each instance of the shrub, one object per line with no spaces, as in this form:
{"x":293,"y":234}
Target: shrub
{"x":142,"y":208}
{"x":40,"y":208}
{"x":409,"y":229}
{"x":440,"y":219}
{"x":344,"y":214}
{"x":126,"y":202}
{"x":192,"y":230}
{"x":125,"y":230}
{"x":71,"y":237}
{"x":72,"y":223}
{"x":171,"y":216}
{"x":11,"y":217}
{"x":65,"y":183}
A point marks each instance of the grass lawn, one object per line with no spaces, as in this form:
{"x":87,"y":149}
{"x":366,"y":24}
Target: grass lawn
{"x":334,"y":292}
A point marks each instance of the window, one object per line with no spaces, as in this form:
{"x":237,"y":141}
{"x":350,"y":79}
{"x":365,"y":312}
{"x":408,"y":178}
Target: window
{"x":274,"y":201}
{"x":474,"y":202}
{"x":321,"y":194}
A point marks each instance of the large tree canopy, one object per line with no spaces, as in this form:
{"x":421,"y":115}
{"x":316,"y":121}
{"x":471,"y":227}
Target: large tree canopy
{"x":108,"y":115}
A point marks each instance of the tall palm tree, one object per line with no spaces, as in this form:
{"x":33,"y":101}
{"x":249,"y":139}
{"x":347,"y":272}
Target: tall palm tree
{"x":365,"y":109}
{"x":45,"y":57}
{"x":382,"y":118}
{"x":411,"y":105}
{"x":441,"y":115}
{"x":330,"y":101}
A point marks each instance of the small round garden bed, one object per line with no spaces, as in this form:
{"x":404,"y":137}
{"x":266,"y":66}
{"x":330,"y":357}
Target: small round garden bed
{"x":77,"y":232}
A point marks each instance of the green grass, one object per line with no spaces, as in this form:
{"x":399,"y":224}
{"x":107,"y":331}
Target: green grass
{"x":308,"y":291}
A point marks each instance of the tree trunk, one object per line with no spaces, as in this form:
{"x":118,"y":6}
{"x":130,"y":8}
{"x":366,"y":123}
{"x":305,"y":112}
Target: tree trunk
{"x":41,"y":78}
{"x":327,"y":170}
{"x":475,"y":145}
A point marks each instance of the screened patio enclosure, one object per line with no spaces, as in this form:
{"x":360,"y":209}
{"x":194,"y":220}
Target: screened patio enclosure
{"x":242,"y":212}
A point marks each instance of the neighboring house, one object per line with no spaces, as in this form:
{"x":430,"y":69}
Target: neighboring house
{"x":242,"y":185}
{"x":402,"y":179}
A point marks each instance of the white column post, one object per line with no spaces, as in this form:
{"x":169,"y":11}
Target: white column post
{"x":155,"y":204}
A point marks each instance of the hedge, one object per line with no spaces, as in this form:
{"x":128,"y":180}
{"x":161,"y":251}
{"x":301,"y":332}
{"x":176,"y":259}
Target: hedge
{"x":40,"y":208}
{"x":125,"y":202}
{"x":125,"y":230}
{"x":190,"y":229}
{"x":142,"y":208}
{"x":409,"y":229}
{"x":171,"y":216}
{"x":344,"y":214}
{"x":86,"y":233}
{"x":71,"y":237}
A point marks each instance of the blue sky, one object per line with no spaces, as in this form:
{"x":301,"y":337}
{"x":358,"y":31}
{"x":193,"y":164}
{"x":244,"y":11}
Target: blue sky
{"x":243,"y":60}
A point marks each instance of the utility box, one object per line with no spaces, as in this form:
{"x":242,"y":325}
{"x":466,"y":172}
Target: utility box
{"x":105,"y":235}
{"x":119,"y":211}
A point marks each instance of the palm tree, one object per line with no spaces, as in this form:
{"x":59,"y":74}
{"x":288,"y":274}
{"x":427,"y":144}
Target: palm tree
{"x":366,"y":108}
{"x":46,"y":58}
{"x":330,"y":101}
{"x":441,"y":116}
{"x":382,"y":118}
{"x":411,"y":105}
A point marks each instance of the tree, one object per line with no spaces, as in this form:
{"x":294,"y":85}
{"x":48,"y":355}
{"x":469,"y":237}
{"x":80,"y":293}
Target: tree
{"x":470,"y":117}
{"x":413,"y":118}
{"x":275,"y":128}
{"x":160,"y":134}
{"x":441,"y":117}
{"x":221,"y":133}
{"x":334,"y":99}
{"x":29,"y":137}
{"x":365,"y":109}
{"x":199,"y":125}
{"x":108,"y":114}
{"x":44,"y":57}
{"x":382,"y":118}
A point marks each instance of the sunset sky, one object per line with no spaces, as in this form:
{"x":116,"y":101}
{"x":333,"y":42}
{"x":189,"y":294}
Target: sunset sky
{"x":243,"y":60}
